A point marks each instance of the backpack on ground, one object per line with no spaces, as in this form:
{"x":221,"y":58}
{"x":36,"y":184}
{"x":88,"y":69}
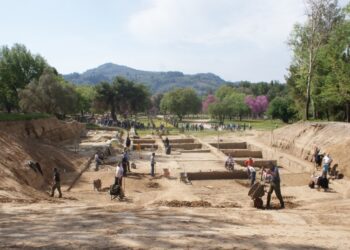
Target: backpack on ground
{"x":311,"y":184}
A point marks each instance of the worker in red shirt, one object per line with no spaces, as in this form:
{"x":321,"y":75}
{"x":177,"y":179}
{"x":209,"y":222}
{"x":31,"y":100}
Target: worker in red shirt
{"x":249,"y":162}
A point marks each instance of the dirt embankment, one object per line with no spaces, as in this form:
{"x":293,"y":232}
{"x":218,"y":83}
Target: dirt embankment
{"x":34,"y":140}
{"x":300,"y":139}
{"x":50,"y":129}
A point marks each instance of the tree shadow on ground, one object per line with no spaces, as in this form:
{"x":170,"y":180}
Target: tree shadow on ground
{"x":67,"y":227}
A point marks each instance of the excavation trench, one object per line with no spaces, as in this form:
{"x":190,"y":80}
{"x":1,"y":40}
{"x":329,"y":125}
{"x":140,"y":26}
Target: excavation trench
{"x":180,"y":140}
{"x":144,"y":141}
{"x":186,"y":146}
{"x":216,"y":175}
{"x":229,"y":145}
{"x":237,"y":153}
{"x":145,"y":146}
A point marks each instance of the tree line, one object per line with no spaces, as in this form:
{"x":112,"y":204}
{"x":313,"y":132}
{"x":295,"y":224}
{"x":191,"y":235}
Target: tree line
{"x":317,"y":84}
{"x":29,"y":84}
{"x":319,"y":75}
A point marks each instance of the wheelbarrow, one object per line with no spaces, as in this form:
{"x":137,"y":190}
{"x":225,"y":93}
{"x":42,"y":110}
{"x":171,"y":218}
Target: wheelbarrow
{"x":256,"y":192}
{"x":116,"y":191}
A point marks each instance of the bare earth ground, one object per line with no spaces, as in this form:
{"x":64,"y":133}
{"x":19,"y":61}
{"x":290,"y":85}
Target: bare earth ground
{"x":88,"y":219}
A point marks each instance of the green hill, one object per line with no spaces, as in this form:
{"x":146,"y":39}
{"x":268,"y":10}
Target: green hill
{"x":157,"y":81}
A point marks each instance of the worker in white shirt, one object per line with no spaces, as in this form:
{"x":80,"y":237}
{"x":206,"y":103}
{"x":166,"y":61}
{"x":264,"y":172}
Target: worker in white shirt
{"x":251,"y":174}
{"x":326,"y":164}
{"x":230,"y":163}
{"x":119,"y":171}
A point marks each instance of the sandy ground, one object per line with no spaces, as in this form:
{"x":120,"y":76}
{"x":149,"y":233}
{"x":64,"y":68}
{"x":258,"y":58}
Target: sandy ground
{"x":85,"y":218}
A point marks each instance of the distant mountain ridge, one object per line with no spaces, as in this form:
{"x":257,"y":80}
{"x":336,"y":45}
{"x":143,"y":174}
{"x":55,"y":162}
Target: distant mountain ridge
{"x":156,"y":81}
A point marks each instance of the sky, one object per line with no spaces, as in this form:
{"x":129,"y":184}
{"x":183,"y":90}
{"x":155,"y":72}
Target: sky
{"x":235,"y":39}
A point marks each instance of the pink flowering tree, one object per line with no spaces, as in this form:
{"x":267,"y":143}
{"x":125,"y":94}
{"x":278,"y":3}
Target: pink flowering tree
{"x":258,"y":105}
{"x":209,"y":100}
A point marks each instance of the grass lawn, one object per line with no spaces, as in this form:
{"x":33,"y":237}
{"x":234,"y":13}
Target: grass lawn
{"x":257,"y":124}
{"x":144,"y":132}
{"x":157,"y":121}
{"x":206,"y":132}
{"x":22,"y":117}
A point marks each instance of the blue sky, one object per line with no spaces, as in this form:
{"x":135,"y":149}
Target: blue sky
{"x":236,"y":39}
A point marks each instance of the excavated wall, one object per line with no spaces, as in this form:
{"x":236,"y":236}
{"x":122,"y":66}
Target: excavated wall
{"x":50,"y":129}
{"x":229,"y":145}
{"x":182,"y":140}
{"x":299,"y":139}
{"x":217,"y":175}
{"x":186,"y":146}
{"x":35,"y":140}
{"x":143,"y":141}
{"x":239,"y":153}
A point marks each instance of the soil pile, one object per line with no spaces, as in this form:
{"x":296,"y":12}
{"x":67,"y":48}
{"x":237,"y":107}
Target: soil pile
{"x":50,"y":129}
{"x":299,"y":139}
{"x":18,"y":181}
{"x":153,"y":185}
{"x":176,"y":203}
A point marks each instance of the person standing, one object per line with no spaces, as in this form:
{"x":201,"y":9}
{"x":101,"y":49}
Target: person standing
{"x":128,"y":142}
{"x":249,"y":162}
{"x":316,"y":157}
{"x":326,"y":164}
{"x":98,"y":161}
{"x":119,"y":172}
{"x":275,"y":185}
{"x":126,"y":158}
{"x":251,"y":174}
{"x":56,"y":183}
{"x":167,"y":142}
{"x":153,"y":163}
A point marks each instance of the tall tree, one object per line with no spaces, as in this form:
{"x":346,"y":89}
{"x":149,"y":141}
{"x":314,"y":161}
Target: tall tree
{"x":180,"y":102}
{"x":106,"y":98}
{"x":258,"y":105}
{"x":86,"y":95}
{"x":219,"y":111}
{"x":132,"y":97}
{"x":306,"y":40}
{"x":17,"y":68}
{"x":224,"y":91}
{"x":50,"y":94}
{"x":337,"y":83}
{"x":281,"y":108}
{"x":236,"y":106}
{"x":207,"y":101}
{"x":123,"y":96}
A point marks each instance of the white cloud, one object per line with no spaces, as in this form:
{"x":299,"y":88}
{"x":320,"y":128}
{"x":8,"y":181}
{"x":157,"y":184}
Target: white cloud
{"x":237,"y":39}
{"x":211,"y":22}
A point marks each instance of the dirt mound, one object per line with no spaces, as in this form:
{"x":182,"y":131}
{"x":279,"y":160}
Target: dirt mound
{"x":176,"y":203}
{"x":287,"y":204}
{"x":201,"y":203}
{"x":153,"y":185}
{"x":299,"y":139}
{"x":285,"y":197}
{"x":228,"y":205}
{"x":50,"y":129}
{"x":17,"y":180}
